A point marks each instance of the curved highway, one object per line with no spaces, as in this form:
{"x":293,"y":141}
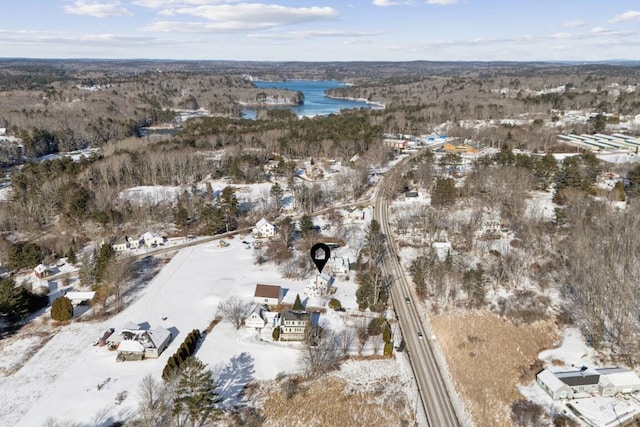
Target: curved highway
{"x":436,"y":400}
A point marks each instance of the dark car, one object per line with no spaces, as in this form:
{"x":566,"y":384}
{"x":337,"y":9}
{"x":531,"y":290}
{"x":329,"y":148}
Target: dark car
{"x":406,"y":299}
{"x":420,"y":335}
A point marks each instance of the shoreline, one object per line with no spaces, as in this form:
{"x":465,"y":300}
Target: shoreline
{"x":350,"y":98}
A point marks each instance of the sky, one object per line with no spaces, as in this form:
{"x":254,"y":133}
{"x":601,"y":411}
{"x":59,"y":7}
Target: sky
{"x":323,"y":30}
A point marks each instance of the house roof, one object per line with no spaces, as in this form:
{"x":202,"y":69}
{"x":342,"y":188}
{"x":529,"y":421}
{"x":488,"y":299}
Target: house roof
{"x":578,"y":378}
{"x":40,"y":268}
{"x":159,"y":335}
{"x":78,"y":297}
{"x":255,"y":308}
{"x":295,"y":315}
{"x":262,"y":223}
{"x":619,"y":377}
{"x":267,"y":291}
{"x":549,"y":378}
{"x":150,"y":235}
{"x":131,"y":345}
{"x":120,"y":240}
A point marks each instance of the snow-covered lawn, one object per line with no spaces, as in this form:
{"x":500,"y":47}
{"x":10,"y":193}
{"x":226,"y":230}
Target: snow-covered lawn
{"x":61,"y":379}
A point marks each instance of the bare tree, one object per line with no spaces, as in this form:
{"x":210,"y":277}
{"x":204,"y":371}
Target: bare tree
{"x":322,"y":357}
{"x":234,"y":310}
{"x":154,"y":407}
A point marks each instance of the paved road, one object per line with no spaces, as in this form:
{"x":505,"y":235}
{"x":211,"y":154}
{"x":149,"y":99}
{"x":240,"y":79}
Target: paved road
{"x":430,"y":377}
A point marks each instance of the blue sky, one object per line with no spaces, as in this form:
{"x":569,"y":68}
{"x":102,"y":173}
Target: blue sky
{"x":321,"y":30}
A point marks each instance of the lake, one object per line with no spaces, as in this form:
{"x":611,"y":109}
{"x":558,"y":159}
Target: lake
{"x":315,"y":101}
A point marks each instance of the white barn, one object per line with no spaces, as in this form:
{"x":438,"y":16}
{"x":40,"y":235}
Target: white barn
{"x":267,"y":294}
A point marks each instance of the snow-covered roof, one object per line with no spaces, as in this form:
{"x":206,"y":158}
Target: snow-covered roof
{"x":550,"y":379}
{"x":262,"y":223}
{"x":130,"y":346}
{"x":78,"y":297}
{"x":159,"y":335}
{"x":131,"y":326}
{"x":619,"y":377}
{"x":150,"y":235}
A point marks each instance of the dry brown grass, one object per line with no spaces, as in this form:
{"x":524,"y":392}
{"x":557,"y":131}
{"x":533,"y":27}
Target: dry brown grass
{"x":213,"y":324}
{"x":326,"y":402}
{"x":488,"y":357}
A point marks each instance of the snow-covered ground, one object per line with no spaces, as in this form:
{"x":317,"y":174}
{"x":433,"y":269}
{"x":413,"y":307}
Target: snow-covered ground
{"x":572,"y":354}
{"x":61,"y":379}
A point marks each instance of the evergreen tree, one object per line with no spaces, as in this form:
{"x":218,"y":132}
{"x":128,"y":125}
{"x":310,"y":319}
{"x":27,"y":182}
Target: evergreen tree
{"x":103,"y":257}
{"x":306,"y":225}
{"x":545,"y":169}
{"x":386,"y":332}
{"x":61,"y":309}
{"x":444,"y":192}
{"x":297,"y":305}
{"x":276,"y":194}
{"x":181,"y":218}
{"x":71,"y":256}
{"x":195,"y":400}
{"x":228,"y":203}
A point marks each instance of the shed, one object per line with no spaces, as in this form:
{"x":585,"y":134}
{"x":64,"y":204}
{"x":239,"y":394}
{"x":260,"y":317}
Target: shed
{"x":78,"y":298}
{"x":41,"y":271}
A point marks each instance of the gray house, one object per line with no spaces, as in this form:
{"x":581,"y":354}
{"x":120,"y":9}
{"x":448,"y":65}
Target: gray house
{"x":293,"y":325}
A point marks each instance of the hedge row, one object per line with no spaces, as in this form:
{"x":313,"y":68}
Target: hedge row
{"x":185,"y":351}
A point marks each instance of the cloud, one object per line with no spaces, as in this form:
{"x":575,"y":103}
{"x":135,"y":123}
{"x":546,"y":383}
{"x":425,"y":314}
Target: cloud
{"x":629,"y":15}
{"x":157,"y":4}
{"x":240,"y":17}
{"x":574,"y":24}
{"x":387,"y":3}
{"x":297,"y":35}
{"x":58,"y":38}
{"x":97,"y":9}
{"x":442,"y":2}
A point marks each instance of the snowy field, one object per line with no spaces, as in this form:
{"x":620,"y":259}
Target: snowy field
{"x":61,"y":379}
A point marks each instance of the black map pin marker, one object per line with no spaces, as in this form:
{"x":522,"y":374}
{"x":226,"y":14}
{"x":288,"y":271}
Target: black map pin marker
{"x":320,"y":254}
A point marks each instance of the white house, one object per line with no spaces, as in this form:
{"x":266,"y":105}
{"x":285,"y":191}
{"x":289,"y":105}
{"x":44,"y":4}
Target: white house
{"x":151,"y":239}
{"x":267,"y":294}
{"x":339,"y":265}
{"x":256,"y":318}
{"x":120,"y":244}
{"x":320,"y":286}
{"x":264,"y":228}
{"x":586,"y":381}
{"x":134,"y":243}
